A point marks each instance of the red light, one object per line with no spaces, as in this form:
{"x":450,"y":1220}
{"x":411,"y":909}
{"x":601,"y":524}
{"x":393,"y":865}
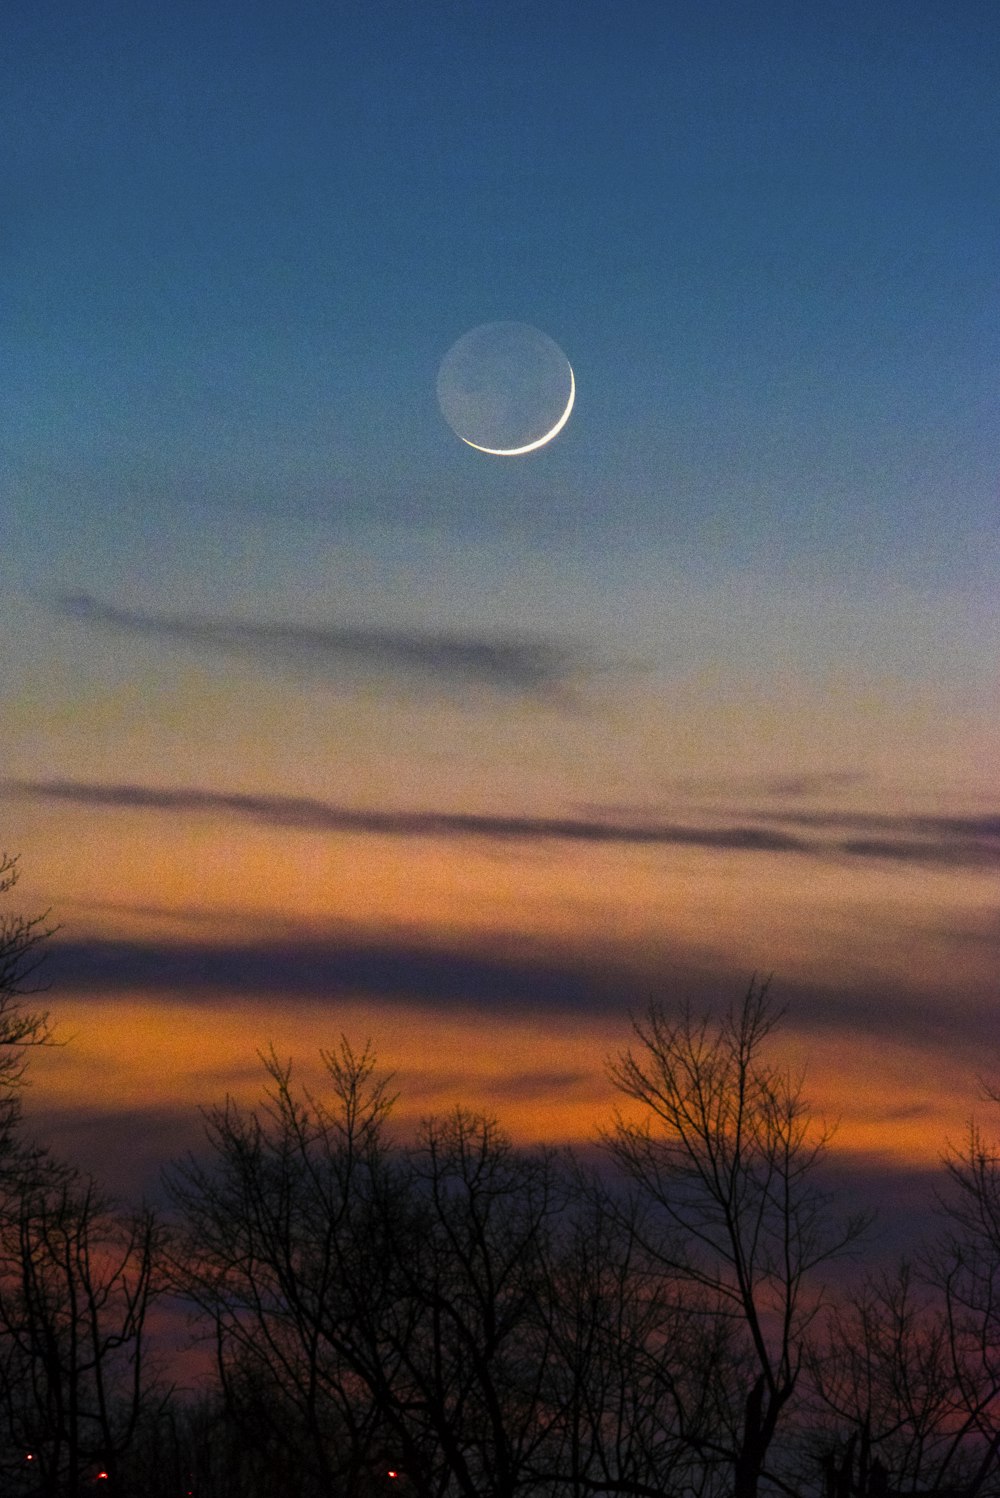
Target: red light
{"x":101,"y":1475}
{"x":392,"y":1472}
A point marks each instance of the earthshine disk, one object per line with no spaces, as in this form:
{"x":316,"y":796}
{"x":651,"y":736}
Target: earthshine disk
{"x":506,"y":388}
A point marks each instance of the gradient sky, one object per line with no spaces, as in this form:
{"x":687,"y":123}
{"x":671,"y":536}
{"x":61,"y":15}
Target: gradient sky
{"x":316,"y":720}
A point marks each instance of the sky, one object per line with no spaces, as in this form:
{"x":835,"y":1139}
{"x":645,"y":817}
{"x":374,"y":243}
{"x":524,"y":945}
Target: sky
{"x":316,"y":721}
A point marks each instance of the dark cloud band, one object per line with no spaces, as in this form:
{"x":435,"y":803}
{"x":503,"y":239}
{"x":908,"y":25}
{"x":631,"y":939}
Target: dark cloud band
{"x":490,"y":977}
{"x":320,"y":969}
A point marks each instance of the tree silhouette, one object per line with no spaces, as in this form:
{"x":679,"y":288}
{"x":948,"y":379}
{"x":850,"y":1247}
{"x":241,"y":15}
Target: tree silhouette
{"x":77,"y":1279}
{"x":389,"y":1296}
{"x":281,"y":1250}
{"x":21,"y":1027}
{"x":726,"y":1155}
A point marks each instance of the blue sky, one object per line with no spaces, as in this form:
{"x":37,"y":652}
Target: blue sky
{"x":754,"y":579}
{"x":239,"y":240}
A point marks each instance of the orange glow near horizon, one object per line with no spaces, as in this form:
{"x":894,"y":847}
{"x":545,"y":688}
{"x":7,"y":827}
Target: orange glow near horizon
{"x":627,"y":916}
{"x":543,"y":1079}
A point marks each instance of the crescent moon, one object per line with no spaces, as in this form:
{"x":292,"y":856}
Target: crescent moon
{"x":530,"y":447}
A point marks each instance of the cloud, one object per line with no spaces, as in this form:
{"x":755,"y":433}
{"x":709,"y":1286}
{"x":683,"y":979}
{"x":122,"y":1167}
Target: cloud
{"x":185,"y":915}
{"x":125,"y":1149}
{"x":987,"y":826}
{"x":506,"y":664}
{"x":979,"y":930}
{"x":948,"y":852}
{"x":905,"y":1200}
{"x":969,"y":842}
{"x":530,"y":1085}
{"x":735,"y":788}
{"x":319,"y":968}
{"x":493,"y":978}
{"x":947,"y":842}
{"x":912,"y":1110}
{"x":816,"y":783}
{"x":312,"y":814}
{"x":541,"y":1084}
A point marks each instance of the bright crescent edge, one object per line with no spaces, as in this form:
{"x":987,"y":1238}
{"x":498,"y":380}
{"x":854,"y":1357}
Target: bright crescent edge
{"x":515,"y":452}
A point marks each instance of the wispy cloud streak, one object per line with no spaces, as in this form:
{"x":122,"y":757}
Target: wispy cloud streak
{"x":510,"y":664}
{"x":311,"y":814}
{"x":972,"y":842}
{"x":947,"y":842}
{"x":985,"y":826}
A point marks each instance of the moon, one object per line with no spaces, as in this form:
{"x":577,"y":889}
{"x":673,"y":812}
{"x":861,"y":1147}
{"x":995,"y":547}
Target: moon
{"x":506,"y":389}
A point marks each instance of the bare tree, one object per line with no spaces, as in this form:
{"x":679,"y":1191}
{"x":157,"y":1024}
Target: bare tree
{"x":640,"y":1360}
{"x":387,"y":1295}
{"x":77,"y":1279}
{"x":727,"y":1155}
{"x":964,"y":1266}
{"x":21,"y":938}
{"x":279,"y":1251}
{"x":472,"y":1395}
{"x":892,"y":1378}
{"x":908,"y":1374}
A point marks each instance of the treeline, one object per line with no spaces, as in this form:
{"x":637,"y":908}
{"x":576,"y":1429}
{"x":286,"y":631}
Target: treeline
{"x":448,"y":1316}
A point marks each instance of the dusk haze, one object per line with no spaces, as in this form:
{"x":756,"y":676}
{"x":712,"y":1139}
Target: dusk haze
{"x":348,"y":692}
